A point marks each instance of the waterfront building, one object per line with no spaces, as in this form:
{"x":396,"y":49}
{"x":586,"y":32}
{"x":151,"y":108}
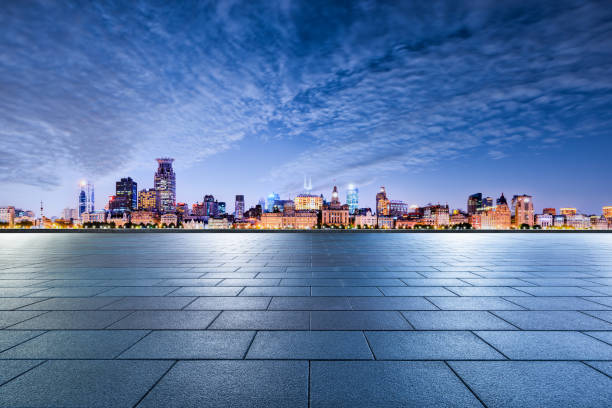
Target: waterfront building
{"x":182,"y":210}
{"x":545,"y":220}
{"x":168,"y":219}
{"x":221,"y":208}
{"x":559,"y":220}
{"x":568,"y":211}
{"x":550,"y":211}
{"x":94,"y":216}
{"x":475,"y":221}
{"x":239,"y":207}
{"x":7,"y":216}
{"x":211,"y":207}
{"x":127,"y":188}
{"x":193,"y":224}
{"x":303,"y":220}
{"x":147,"y":199}
{"x":86,"y":198}
{"x":218,"y":223}
{"x":607,"y":211}
{"x":599,"y":223}
{"x":308,"y":202}
{"x":498,"y":217}
{"x":164,"y":183}
{"x":382,"y":202}
{"x":397,"y":208}
{"x":352,"y":198}
{"x":523,"y":210}
{"x":457,"y":217}
{"x":436,"y":215}
{"x":578,"y":221}
{"x":143,"y":217}
{"x":70,"y":214}
{"x":364,"y":218}
{"x":474,"y":203}
{"x":385,"y":222}
{"x":335,"y":213}
{"x":272,"y":220}
{"x":487,"y":202}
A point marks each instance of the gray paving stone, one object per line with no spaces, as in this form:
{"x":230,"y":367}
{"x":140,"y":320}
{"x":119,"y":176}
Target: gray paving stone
{"x":387,"y":384}
{"x":230,"y":303}
{"x":416,"y":291}
{"x":88,"y":303}
{"x":16,"y":292}
{"x":309,"y":303}
{"x":138,"y":291}
{"x":601,"y":335}
{"x":556,"y":303}
{"x":602,"y":314}
{"x":553,"y":320}
{"x":602,"y":300}
{"x":80,"y":291}
{"x":10,"y":338}
{"x":10,"y":369}
{"x":166,"y":319}
{"x":434,"y":282}
{"x":206,"y":291}
{"x":16,"y":303}
{"x":486,"y":291}
{"x":310,"y":345}
{"x":81,"y":344}
{"x":497,"y":282}
{"x":391,"y":303}
{"x":185,"y":344}
{"x":12,"y":317}
{"x":547,"y":345}
{"x":262,"y":320}
{"x":188,"y":282}
{"x":80,"y":383}
{"x":559,"y":291}
{"x":276,"y":291}
{"x":250,"y":282}
{"x":272,"y":384}
{"x":473,"y":303}
{"x":603,"y":366}
{"x":455,"y":320}
{"x":70,"y":320}
{"x":430,"y":345}
{"x":150,"y":303}
{"x":535,"y":384}
{"x":345,"y":291}
{"x":358,"y":320}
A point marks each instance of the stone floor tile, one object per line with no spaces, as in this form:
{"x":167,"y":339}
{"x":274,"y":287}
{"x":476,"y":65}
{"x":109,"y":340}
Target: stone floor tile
{"x":487,"y":291}
{"x":71,"y":320}
{"x":552,"y":320}
{"x":309,"y":303}
{"x":276,"y":291}
{"x":138,"y":291}
{"x":391,"y":303}
{"x":87,"y":303}
{"x":345,"y":291}
{"x":16,"y":303}
{"x":12,"y":317}
{"x":416,"y":291}
{"x":262,"y":320}
{"x":206,"y":291}
{"x":473,"y":303}
{"x":166,"y":319}
{"x":455,"y":320}
{"x":10,"y":338}
{"x":230,"y":303}
{"x":358,"y":320}
{"x":10,"y":369}
{"x":556,"y":303}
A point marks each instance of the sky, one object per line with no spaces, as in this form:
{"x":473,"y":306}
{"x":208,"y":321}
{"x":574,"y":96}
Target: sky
{"x":433,"y":100}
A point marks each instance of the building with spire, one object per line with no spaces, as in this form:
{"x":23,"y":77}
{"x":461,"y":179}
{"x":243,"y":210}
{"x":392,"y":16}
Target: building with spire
{"x":382,"y":202}
{"x":86,"y":198}
{"x":335,"y":213}
{"x":523,"y":210}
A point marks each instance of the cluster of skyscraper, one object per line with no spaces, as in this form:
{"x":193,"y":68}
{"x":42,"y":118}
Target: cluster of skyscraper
{"x":157,"y":206}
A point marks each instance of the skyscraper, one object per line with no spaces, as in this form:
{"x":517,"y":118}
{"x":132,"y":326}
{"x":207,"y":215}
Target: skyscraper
{"x":474,"y":203}
{"x":523,"y":210}
{"x":127,"y":192}
{"x":164,"y":183}
{"x":382,"y":203}
{"x":86,"y":198}
{"x":239,"y":207}
{"x":352,"y":198}
{"x":272,"y":197}
{"x":211,"y":207}
{"x":147,"y":199}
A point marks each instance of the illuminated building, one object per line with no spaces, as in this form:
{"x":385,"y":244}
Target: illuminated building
{"x":545,"y":220}
{"x":550,"y":211}
{"x":272,"y":197}
{"x":218,"y":223}
{"x":436,"y":215}
{"x":198,"y":209}
{"x":126,"y":187}
{"x":335,"y":213}
{"x":164,"y":183}
{"x":7,"y":215}
{"x":476,"y":221}
{"x":239,"y":207}
{"x":182,"y":210}
{"x":168,"y":220}
{"x":211,"y":207}
{"x":95,"y":216}
{"x":458,"y":217}
{"x":147,"y":199}
{"x":365,"y":218}
{"x":304,"y":219}
{"x":474,"y":203}
{"x":523,"y":210}
{"x":70,"y":214}
{"x":607,"y":211}
{"x":352,"y":198}
{"x":86,"y":198}
{"x":559,"y":220}
{"x":498,"y":217}
{"x":382,"y":203}
{"x":221,"y":207}
{"x":143,"y":217}
{"x":280,"y":205}
{"x":577,"y":221}
{"x":397,"y":208}
{"x":568,"y":211}
{"x":599,"y":223}
{"x":308,"y":202}
{"x":487,"y":202}
{"x":272,"y":220}
{"x":385,"y":222}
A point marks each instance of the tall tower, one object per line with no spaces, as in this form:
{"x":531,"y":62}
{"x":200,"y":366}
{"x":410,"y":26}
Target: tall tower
{"x":164,"y":183}
{"x":126,"y":190}
{"x":474,"y":203}
{"x":523,"y":210}
{"x":86,"y":198}
{"x":239,"y":207}
{"x":352,"y":198}
{"x":335,"y":200}
{"x":382,"y":203}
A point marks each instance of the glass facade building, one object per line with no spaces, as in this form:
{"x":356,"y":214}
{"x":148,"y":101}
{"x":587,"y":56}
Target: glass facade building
{"x":352,"y":198}
{"x":164,"y":183}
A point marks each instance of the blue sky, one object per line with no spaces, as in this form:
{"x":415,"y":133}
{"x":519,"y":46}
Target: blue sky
{"x":434,"y":100}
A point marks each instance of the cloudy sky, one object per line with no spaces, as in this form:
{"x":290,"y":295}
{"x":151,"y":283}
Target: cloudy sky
{"x":434,"y":100}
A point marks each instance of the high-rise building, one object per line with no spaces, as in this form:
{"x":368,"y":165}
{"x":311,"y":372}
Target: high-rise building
{"x":498,"y":217}
{"x":607,"y":211}
{"x":474,"y":203}
{"x":70,"y":214}
{"x":272,"y":197}
{"x":128,"y":188}
{"x":164,"y":183}
{"x":222,"y":208}
{"x":86,"y":198}
{"x":382,"y":203}
{"x":549,"y":211}
{"x":568,"y":211}
{"x":352,"y":198}
{"x":239,"y":207}
{"x":7,"y":215}
{"x":308,"y":202}
{"x":523,"y":210}
{"x":147,"y":199}
{"x":487,"y":202}
{"x":211,"y":207}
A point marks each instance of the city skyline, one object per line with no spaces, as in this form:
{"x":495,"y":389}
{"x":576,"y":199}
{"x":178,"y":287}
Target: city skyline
{"x":434,"y":101}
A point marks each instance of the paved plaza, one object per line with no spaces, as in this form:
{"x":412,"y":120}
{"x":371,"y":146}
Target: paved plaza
{"x":305,"y":320}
